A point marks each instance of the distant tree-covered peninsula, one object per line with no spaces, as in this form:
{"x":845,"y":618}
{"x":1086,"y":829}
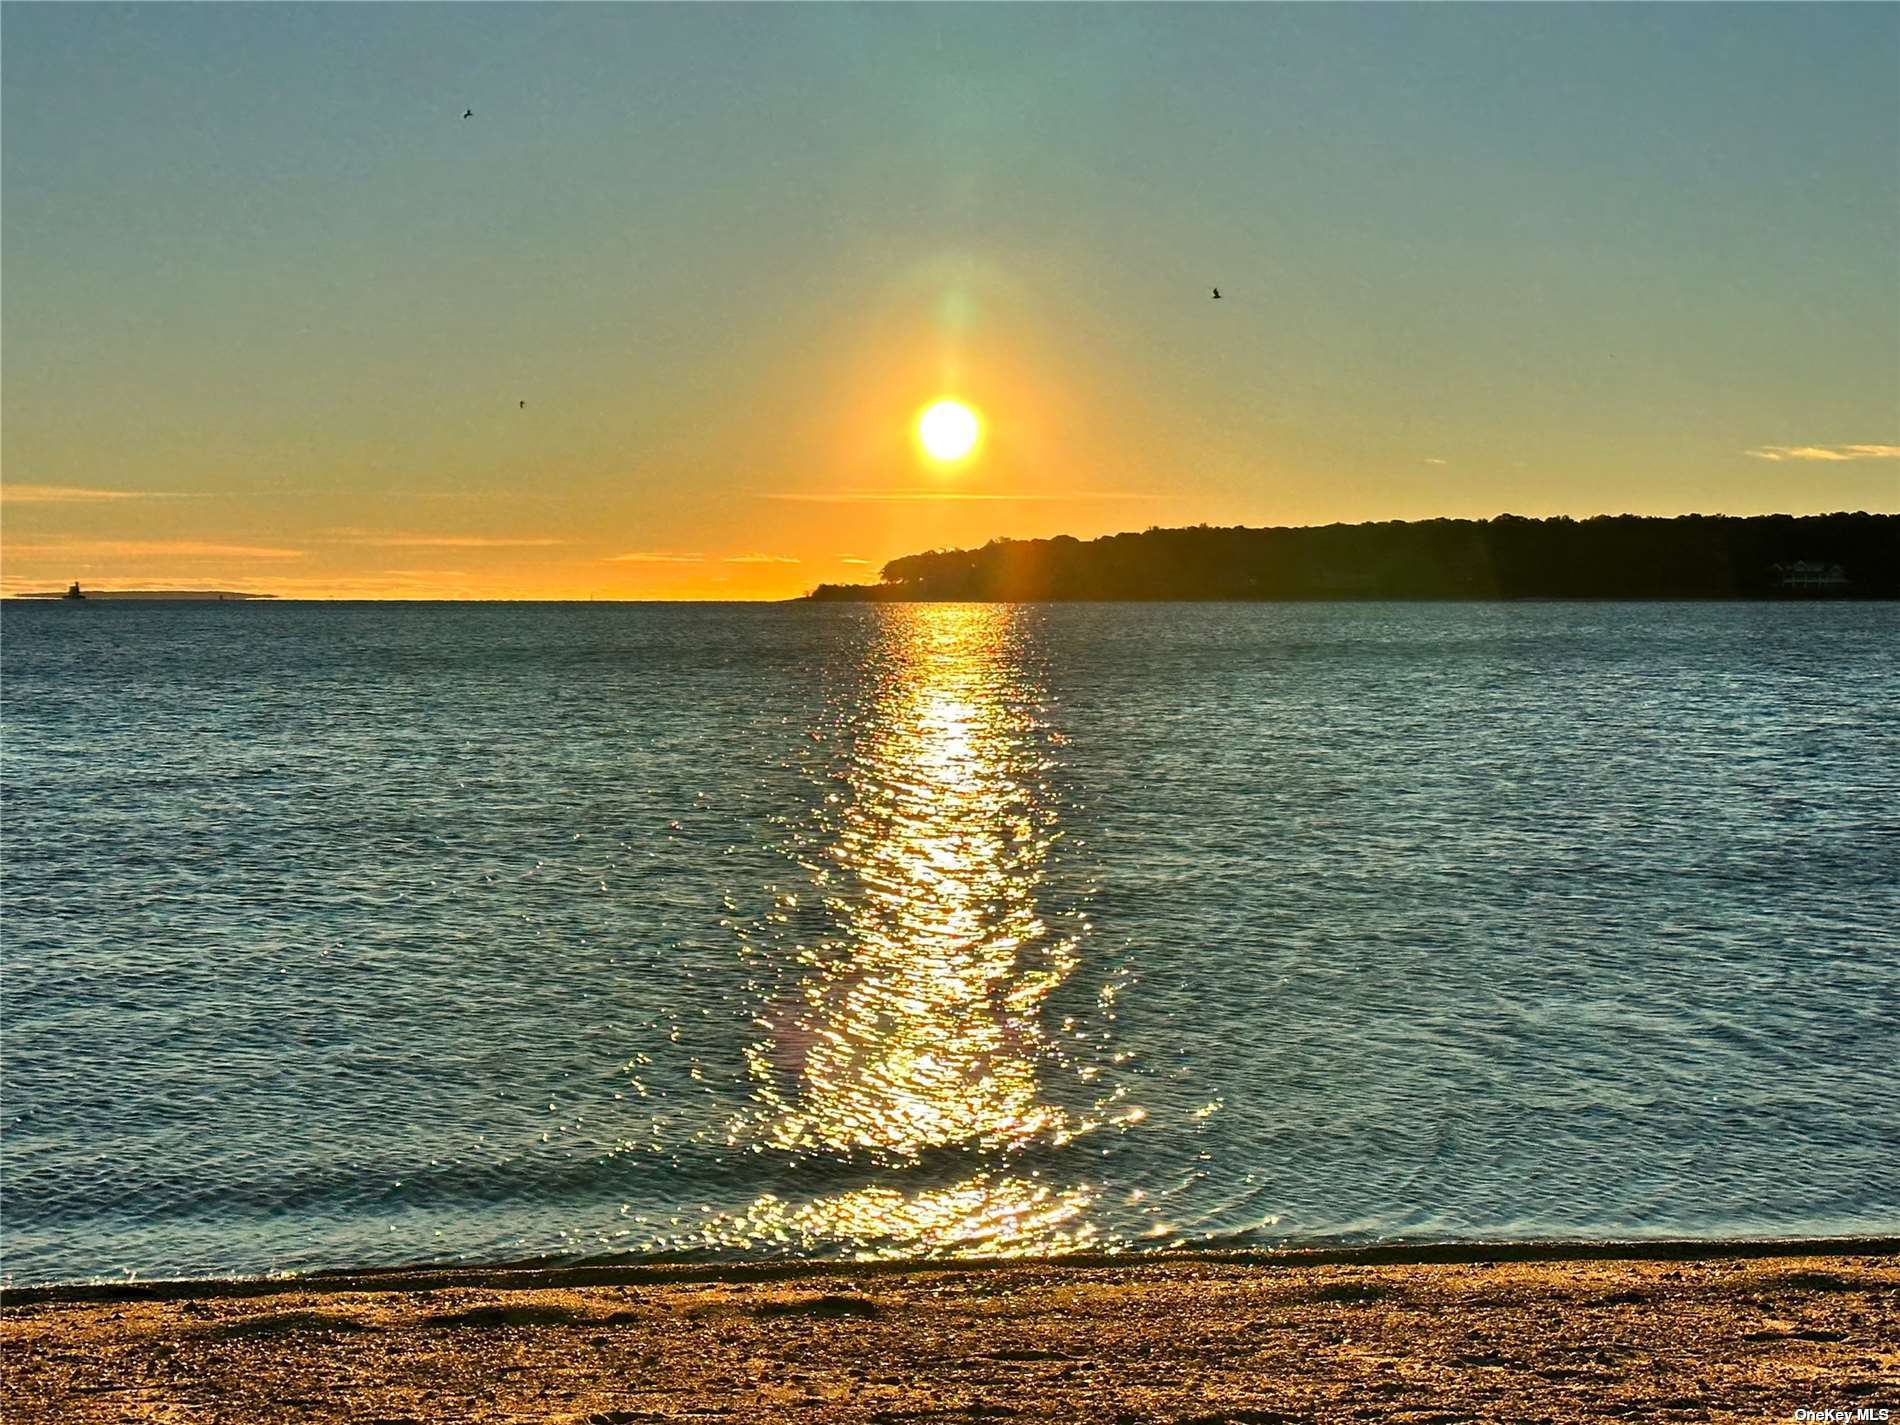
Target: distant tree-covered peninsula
{"x":1606,"y":557}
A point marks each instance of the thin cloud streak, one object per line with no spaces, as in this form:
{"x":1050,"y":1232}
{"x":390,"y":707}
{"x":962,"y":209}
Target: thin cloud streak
{"x":75,"y":495}
{"x":449,"y":541}
{"x":151,"y":548}
{"x":653,"y":557}
{"x":760,"y":559}
{"x":1825,"y":452}
{"x":856,"y":497}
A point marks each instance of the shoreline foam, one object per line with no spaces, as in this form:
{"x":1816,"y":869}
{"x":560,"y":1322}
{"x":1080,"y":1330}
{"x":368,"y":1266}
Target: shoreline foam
{"x":557,"y":1274}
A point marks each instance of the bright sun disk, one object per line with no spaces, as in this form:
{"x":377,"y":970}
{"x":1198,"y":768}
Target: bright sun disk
{"x":948,"y":430}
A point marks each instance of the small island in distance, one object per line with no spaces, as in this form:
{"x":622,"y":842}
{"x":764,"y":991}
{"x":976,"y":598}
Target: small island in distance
{"x":1509,"y":557}
{"x":75,"y":593}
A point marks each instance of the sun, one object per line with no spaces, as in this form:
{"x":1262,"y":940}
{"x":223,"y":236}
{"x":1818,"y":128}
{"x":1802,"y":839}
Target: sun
{"x":948,"y":431}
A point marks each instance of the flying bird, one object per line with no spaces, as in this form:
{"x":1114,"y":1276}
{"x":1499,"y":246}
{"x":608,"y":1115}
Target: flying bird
{"x":524,"y":405}
{"x":1217,"y":294}
{"x":468,"y":113}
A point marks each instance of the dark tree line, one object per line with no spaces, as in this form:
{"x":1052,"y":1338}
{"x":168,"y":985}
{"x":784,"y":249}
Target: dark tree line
{"x":1606,"y":556}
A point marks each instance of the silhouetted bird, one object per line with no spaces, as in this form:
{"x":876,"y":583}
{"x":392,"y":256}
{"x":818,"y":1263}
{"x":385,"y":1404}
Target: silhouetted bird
{"x":468,"y":113}
{"x":1217,"y":294}
{"x":524,"y":405}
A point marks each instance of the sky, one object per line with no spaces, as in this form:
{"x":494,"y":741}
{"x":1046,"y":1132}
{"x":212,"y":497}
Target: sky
{"x":271,"y":306}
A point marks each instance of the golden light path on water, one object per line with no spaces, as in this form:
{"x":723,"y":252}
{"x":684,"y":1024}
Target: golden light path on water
{"x":916,"y":1029}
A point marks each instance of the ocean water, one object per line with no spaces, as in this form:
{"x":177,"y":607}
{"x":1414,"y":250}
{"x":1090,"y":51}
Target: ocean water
{"x":339,"y":935}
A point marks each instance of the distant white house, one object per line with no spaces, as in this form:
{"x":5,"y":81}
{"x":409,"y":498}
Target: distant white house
{"x":1808,"y":574}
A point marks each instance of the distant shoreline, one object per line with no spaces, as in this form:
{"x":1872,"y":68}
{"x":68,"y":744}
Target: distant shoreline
{"x":879,"y":596}
{"x":210,"y":596}
{"x":1627,"y":557}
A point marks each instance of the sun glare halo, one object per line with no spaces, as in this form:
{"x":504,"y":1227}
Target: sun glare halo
{"x":948,"y":430}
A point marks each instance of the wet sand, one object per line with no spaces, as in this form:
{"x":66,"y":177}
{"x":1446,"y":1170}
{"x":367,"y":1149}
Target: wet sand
{"x":1751,"y":1332}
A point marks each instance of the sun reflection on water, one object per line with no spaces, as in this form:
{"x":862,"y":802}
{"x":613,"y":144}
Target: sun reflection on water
{"x":916,"y":1028}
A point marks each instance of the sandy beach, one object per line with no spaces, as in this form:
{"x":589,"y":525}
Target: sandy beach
{"x":1753,"y":1332}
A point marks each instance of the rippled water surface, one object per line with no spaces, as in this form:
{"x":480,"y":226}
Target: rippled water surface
{"x":339,"y":935}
